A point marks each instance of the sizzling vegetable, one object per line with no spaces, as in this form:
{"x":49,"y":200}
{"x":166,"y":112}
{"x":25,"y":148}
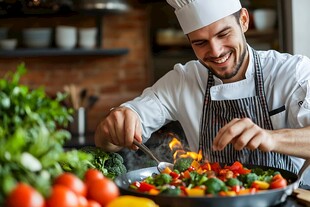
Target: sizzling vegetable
{"x":200,"y":179}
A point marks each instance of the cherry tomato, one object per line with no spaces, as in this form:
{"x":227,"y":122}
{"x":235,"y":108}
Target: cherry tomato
{"x":62,"y":196}
{"x":82,"y":201}
{"x":92,"y":203}
{"x":26,"y":196}
{"x":72,"y":182}
{"x":278,"y":183}
{"x":102,"y":190}
{"x":92,"y":174}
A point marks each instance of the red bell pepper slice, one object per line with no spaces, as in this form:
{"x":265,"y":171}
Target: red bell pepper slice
{"x":237,"y":167}
{"x":174,"y":175}
{"x":143,"y":187}
{"x":215,"y":167}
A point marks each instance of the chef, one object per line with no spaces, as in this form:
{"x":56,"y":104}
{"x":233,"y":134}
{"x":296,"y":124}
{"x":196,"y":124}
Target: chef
{"x":233,"y":102}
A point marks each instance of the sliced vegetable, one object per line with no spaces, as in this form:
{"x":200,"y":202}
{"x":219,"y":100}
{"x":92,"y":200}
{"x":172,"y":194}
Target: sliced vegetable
{"x":127,"y":200}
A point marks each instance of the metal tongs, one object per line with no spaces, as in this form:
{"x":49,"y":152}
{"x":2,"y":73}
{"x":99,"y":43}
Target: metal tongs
{"x":160,"y":165}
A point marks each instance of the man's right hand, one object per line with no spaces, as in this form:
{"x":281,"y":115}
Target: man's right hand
{"x":118,"y":129}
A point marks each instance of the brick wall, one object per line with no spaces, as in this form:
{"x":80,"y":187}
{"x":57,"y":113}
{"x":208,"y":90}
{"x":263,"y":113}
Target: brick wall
{"x":113,"y":79}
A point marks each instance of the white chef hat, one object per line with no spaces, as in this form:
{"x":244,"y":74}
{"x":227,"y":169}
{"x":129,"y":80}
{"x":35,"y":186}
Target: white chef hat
{"x":195,"y":14}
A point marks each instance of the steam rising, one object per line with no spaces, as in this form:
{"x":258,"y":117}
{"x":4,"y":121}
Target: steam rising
{"x":159,"y":145}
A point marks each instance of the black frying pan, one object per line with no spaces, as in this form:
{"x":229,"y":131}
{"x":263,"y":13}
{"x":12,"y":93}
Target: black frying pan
{"x":261,"y":199}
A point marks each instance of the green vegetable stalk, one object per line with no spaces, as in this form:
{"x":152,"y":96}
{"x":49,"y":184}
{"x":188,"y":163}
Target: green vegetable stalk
{"x":32,"y":135}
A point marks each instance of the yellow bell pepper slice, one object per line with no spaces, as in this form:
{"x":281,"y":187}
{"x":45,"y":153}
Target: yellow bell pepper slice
{"x":261,"y":185}
{"x":195,"y":192}
{"x":167,"y":170}
{"x":130,"y":201}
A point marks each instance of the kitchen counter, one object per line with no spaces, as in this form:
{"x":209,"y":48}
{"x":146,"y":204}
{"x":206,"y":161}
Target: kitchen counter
{"x":291,"y":202}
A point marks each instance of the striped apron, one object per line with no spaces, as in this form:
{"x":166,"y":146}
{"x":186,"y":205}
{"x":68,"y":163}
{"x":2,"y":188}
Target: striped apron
{"x":216,"y":114}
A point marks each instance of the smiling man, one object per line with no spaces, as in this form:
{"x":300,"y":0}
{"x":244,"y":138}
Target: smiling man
{"x":234,"y":103}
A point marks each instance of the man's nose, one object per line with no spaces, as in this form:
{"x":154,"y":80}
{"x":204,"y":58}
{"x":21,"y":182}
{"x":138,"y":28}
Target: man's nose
{"x":215,"y":48}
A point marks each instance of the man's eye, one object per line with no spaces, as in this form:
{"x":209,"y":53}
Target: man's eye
{"x":199,"y":43}
{"x":223,"y":35}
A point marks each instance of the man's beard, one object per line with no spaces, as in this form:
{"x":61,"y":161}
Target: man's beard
{"x":235,"y":69}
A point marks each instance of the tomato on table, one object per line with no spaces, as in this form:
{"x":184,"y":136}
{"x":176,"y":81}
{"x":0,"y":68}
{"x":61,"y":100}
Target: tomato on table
{"x":92,"y":174}
{"x":72,"y":182}
{"x":26,"y":196}
{"x":92,"y":203}
{"x":62,"y":196}
{"x":103,"y":191}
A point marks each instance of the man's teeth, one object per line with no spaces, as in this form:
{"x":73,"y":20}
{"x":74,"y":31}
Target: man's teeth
{"x":223,"y":59}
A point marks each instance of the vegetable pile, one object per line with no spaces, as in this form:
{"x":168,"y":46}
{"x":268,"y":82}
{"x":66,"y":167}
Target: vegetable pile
{"x":32,"y":135}
{"x":191,"y":178}
{"x":33,"y":162}
{"x":68,"y":190}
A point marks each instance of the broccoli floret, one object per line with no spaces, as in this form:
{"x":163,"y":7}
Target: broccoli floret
{"x":196,"y":179}
{"x":115,"y":166}
{"x":162,"y":179}
{"x":248,"y":179}
{"x":183,"y":164}
{"x":214,"y":185}
{"x":171,"y":191}
{"x":233,"y":182}
{"x":111,"y":164}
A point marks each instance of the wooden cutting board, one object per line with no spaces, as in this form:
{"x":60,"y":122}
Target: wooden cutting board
{"x":303,"y":196}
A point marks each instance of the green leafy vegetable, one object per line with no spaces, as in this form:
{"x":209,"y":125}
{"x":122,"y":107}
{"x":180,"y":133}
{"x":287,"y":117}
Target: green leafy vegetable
{"x":32,"y":134}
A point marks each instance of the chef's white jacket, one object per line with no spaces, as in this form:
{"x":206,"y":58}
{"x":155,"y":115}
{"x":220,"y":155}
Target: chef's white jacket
{"x":179,"y":94}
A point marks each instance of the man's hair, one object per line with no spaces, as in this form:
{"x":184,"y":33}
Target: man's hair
{"x":237,"y":16}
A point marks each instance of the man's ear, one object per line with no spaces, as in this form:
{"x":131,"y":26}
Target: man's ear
{"x":244,"y":19}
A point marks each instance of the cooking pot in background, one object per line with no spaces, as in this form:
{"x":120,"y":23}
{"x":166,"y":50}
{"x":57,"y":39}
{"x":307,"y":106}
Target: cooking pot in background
{"x":109,"y":5}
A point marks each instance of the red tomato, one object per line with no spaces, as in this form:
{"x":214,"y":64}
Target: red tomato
{"x":102,"y":190}
{"x":92,"y":174}
{"x":72,"y":182}
{"x":62,"y":196}
{"x":278,"y":183}
{"x":82,"y":201}
{"x":92,"y":203}
{"x":26,"y":196}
